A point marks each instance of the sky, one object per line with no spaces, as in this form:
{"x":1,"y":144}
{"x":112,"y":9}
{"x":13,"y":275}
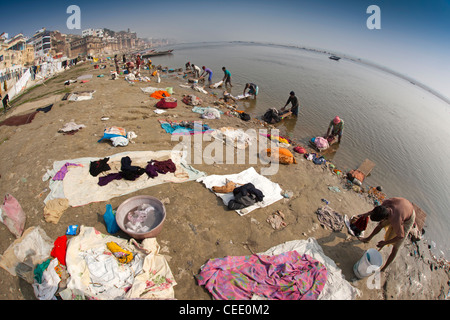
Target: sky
{"x":414,"y":38}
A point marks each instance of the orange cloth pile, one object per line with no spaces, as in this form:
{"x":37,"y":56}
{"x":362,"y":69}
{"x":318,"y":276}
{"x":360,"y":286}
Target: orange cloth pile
{"x":159,"y":94}
{"x":284,"y":155}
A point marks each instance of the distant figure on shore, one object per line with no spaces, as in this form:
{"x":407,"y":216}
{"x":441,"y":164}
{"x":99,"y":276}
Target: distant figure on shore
{"x":149,"y":65}
{"x":116,"y":63}
{"x":5,"y":102}
{"x":207,"y":71}
{"x":335,"y":129}
{"x":188,"y":66}
{"x":227,"y":76}
{"x":294,"y":102}
{"x":398,"y":216}
{"x":124,"y":59}
{"x":196,"y":69}
{"x":138,"y":63}
{"x":252,"y":89}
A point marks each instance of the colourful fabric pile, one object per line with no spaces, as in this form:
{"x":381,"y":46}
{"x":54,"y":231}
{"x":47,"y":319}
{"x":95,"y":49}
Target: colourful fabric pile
{"x":287,"y":276}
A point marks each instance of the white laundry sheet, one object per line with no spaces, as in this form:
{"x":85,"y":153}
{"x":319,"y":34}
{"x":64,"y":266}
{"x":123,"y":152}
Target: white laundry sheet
{"x":336,"y":287}
{"x":217,"y":84}
{"x":96,"y":273}
{"x":71,"y":126}
{"x":271,"y":190}
{"x":235,"y":137}
{"x":150,"y":90}
{"x":81,"y":188}
{"x":82,"y":95}
{"x":242,"y":96}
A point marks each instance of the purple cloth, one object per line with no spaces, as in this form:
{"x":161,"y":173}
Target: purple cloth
{"x":287,"y":276}
{"x":103,"y":181}
{"x":62,"y":172}
{"x":151,"y":170}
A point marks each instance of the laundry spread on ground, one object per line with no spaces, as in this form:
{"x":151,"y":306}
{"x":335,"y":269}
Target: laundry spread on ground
{"x":237,"y":138}
{"x":285,"y":276}
{"x":184,"y":127}
{"x":81,"y":96}
{"x":270,"y":190}
{"x":330,"y":218}
{"x":90,"y":265}
{"x":159,"y":94}
{"x":207,"y":112}
{"x":80,"y":187}
{"x":336,"y":287}
{"x":71,"y":128}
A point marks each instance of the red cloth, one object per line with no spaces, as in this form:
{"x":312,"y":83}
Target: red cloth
{"x":164,"y":104}
{"x":59,"y":249}
{"x":361,"y":223}
{"x":300,"y":150}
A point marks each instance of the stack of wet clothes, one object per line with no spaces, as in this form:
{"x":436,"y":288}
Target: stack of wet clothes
{"x":245,"y":196}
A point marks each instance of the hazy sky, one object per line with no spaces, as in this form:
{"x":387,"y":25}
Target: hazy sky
{"x":414,"y":38}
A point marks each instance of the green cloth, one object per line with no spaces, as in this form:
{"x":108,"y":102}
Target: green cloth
{"x":39,"y":270}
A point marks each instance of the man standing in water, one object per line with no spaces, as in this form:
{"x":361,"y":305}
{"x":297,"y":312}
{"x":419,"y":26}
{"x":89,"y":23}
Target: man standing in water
{"x":398,"y":215}
{"x":227,"y":77}
{"x":205,"y":72}
{"x":336,"y":128}
{"x":294,"y":102}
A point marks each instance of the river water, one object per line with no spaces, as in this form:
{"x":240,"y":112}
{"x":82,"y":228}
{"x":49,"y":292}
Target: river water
{"x":394,"y":123}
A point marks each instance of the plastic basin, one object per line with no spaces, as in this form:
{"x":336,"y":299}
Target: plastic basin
{"x":154,"y":221}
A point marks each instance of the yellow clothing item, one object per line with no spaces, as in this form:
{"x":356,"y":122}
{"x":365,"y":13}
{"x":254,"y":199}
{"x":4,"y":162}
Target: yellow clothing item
{"x":390,"y":233}
{"x":124,"y":256}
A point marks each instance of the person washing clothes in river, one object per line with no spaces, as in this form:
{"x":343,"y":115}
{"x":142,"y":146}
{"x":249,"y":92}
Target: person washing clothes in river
{"x":227,"y":77}
{"x":294,"y":102}
{"x":252,"y":89}
{"x":207,"y":71}
{"x":188,"y":66}
{"x":398,"y":216}
{"x":196,"y":69}
{"x":335,"y":129}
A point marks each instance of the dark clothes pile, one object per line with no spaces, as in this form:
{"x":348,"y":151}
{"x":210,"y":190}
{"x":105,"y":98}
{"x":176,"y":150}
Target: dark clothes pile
{"x":154,"y":167}
{"x":245,"y":196}
{"x":272,"y":116}
{"x":128,"y":171}
{"x":99,"y":166}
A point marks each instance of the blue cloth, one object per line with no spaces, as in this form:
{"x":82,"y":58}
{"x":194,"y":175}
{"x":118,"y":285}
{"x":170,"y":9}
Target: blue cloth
{"x":110,"y":220}
{"x":180,"y":130}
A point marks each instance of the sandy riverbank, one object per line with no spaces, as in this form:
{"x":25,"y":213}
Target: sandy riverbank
{"x":198,"y":227}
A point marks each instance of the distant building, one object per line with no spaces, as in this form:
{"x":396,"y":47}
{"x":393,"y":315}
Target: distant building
{"x":86,"y":46}
{"x":42,"y":44}
{"x":92,"y":32}
{"x":15,"y":51}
